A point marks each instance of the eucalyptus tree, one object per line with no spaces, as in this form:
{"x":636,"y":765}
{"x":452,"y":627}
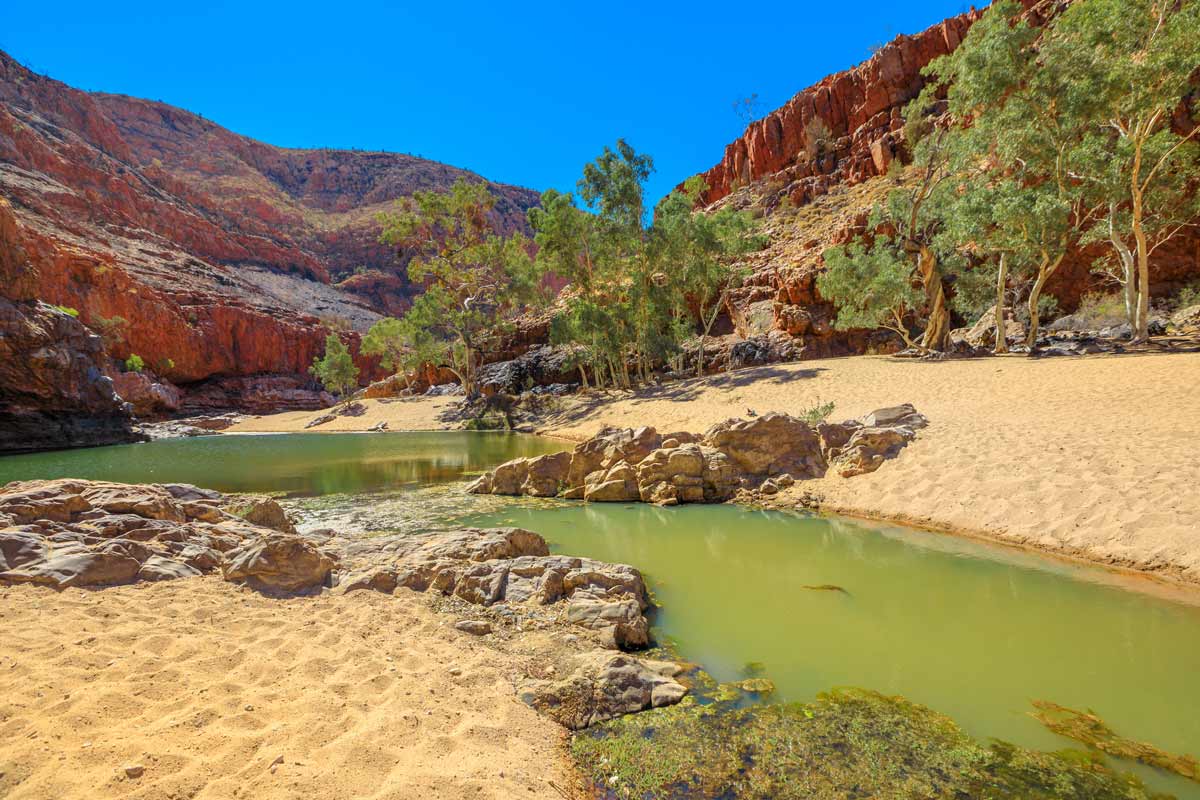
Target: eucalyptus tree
{"x":1133,"y":62}
{"x":698,"y":252}
{"x":474,"y":279}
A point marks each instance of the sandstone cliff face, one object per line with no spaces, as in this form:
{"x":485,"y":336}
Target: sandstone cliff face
{"x":826,"y":152}
{"x":209,"y":254}
{"x":53,"y":392}
{"x":841,"y":131}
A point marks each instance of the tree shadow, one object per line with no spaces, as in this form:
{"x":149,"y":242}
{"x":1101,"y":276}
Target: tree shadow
{"x":586,"y":406}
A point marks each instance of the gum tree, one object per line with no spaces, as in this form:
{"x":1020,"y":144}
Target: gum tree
{"x":1133,"y":62}
{"x":699,"y":251}
{"x":474,"y":278}
{"x":335,"y":369}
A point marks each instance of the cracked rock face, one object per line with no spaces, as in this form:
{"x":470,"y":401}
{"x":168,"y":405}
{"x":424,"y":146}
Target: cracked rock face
{"x":762,"y":454}
{"x":66,"y":533}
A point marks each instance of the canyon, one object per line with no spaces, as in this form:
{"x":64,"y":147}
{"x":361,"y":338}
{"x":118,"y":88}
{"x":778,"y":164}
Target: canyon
{"x":223,"y":262}
{"x":219,"y":260}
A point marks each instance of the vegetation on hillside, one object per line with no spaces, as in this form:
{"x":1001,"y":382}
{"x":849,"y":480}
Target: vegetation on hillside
{"x":1031,"y":142}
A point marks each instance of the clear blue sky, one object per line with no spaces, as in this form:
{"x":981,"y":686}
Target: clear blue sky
{"x":521,"y":92}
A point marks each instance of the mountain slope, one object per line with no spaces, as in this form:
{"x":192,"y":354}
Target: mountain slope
{"x":220,"y":253}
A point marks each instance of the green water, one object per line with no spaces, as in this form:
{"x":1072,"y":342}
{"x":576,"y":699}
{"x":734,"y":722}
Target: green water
{"x":295,"y":464}
{"x":971,"y":630}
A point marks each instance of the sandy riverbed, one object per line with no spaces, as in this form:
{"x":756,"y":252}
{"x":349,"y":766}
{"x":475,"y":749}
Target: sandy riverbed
{"x":205,"y":685}
{"x":1095,"y":457}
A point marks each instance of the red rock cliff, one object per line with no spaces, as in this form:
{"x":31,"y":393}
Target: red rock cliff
{"x":209,"y":254}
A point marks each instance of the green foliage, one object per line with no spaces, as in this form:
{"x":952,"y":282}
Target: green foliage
{"x":636,"y":292}
{"x":847,"y":743}
{"x":1051,"y":138}
{"x":71,"y":312}
{"x":872,"y":286}
{"x":111,"y":329}
{"x":475,"y":280}
{"x":1188,"y":296}
{"x":134,"y":363}
{"x":1098,"y":310}
{"x":816,"y":414}
{"x":408,"y":344}
{"x":335,"y":369}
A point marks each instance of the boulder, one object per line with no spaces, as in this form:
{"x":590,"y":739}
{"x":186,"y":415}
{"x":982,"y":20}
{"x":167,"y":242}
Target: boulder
{"x":983,"y":332}
{"x":259,"y":509}
{"x":868,"y":448}
{"x":1186,"y":319}
{"x":74,"y":568}
{"x":768,"y":445}
{"x":147,"y":395}
{"x":279,"y":562}
{"x":904,"y":415}
{"x":602,"y":686}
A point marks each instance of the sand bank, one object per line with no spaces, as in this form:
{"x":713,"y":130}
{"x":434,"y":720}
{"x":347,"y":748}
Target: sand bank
{"x":217,"y":692}
{"x":1095,"y":457}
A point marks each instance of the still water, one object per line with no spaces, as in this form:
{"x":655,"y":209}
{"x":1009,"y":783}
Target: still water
{"x":294,"y":464}
{"x":975,"y":631}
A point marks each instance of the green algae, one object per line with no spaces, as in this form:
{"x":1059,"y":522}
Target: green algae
{"x":1088,"y":728}
{"x":849,"y":743}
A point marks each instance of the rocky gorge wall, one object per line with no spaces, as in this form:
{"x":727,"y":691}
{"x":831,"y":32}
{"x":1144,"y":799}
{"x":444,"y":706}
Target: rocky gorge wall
{"x":815,"y":167}
{"x":216,"y":258}
{"x":53,"y":390}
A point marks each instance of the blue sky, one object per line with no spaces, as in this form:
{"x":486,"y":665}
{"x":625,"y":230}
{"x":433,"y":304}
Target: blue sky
{"x":524,"y":93}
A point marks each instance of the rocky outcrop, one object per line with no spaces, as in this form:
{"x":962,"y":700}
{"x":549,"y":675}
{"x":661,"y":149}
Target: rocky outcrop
{"x":760,"y":456}
{"x":53,"y":391}
{"x":505,"y":566}
{"x":843,"y":130}
{"x":68,"y":533}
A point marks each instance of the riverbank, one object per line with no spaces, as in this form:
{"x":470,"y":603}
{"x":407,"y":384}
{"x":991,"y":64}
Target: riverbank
{"x":1089,"y":457}
{"x":202,"y":689}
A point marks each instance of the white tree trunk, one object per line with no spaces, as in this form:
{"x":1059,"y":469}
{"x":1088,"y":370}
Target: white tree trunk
{"x":1001,"y":327}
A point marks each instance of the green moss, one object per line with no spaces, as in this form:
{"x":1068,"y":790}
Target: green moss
{"x":1088,"y":728}
{"x":846,"y":744}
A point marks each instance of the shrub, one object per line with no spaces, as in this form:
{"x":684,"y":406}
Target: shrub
{"x":71,"y":312}
{"x":134,"y":363}
{"x":1101,"y":310}
{"x":111,"y":329}
{"x":816,"y":414}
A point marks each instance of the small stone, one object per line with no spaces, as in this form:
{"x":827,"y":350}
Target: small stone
{"x":134,"y":770}
{"x":249,"y":707}
{"x":278,"y":760}
{"x":455,"y":671}
{"x":475,"y":627}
